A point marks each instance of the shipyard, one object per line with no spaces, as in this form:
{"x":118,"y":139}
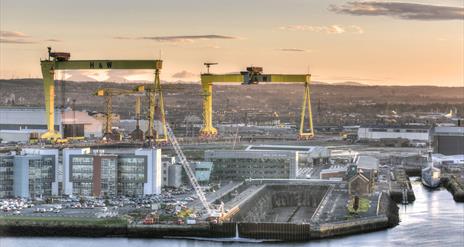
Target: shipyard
{"x":300,"y":123}
{"x":137,"y":180}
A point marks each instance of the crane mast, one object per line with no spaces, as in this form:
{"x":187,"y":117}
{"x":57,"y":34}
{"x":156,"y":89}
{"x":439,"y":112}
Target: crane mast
{"x":188,"y":169}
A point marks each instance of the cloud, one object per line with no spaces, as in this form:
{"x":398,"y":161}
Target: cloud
{"x":180,"y":38}
{"x":293,"y":50}
{"x":409,"y":11}
{"x":14,"y":37}
{"x":53,"y":40}
{"x":16,"y":41}
{"x":184,"y":74}
{"x":12,"y":34}
{"x":331,"y":29}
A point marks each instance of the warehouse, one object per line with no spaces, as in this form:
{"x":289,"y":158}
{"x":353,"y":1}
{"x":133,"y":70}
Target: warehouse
{"x":407,"y":132}
{"x":17,"y":123}
{"x":448,"y":140}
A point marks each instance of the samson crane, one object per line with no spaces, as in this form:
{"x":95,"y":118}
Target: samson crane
{"x":108,"y":93}
{"x":253,"y":75}
{"x":61,"y":61}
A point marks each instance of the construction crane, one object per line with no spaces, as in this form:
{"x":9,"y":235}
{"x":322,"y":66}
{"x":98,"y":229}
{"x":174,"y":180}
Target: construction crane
{"x":208,"y":64}
{"x":61,"y":61}
{"x":212,"y":212}
{"x":254,"y":75}
{"x":109,"y":93}
{"x":137,"y":134}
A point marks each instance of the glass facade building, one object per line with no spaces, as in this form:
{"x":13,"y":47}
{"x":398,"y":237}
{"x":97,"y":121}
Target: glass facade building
{"x":81,"y":174}
{"x":6,"y":176}
{"x":102,"y":174}
{"x":132,"y":174}
{"x":29,"y":175}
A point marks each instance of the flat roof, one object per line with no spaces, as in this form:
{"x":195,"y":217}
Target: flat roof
{"x":280,"y":148}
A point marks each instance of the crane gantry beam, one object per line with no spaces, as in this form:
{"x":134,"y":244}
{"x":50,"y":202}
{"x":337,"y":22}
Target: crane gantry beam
{"x":253,"y":75}
{"x":60,"y":61}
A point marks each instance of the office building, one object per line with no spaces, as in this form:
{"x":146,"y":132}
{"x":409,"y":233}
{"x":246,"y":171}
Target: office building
{"x":99,"y":173}
{"x":240,"y":165}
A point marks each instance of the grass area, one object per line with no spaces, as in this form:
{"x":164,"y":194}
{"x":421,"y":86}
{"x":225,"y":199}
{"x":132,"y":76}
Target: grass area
{"x":363,"y":205}
{"x":62,"y":221}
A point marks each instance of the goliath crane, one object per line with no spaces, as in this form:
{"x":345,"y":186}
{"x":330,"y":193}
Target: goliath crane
{"x":254,"y":75}
{"x":61,"y":61}
{"x":109,"y":93}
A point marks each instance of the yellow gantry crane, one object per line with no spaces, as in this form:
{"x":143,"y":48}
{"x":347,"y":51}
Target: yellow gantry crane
{"x":109,"y":93}
{"x":254,"y":75}
{"x":156,"y":106}
{"x":61,"y":61}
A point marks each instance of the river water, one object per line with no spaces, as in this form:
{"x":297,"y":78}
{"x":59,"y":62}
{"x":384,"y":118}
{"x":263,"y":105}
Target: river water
{"x":434,"y":219}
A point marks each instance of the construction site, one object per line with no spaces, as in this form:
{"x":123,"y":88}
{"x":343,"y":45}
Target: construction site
{"x":154,"y":174}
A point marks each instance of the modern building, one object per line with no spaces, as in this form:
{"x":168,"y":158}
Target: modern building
{"x":448,"y":140}
{"x":306,"y":154}
{"x":31,"y":174}
{"x":6,"y":175}
{"x":99,"y":173}
{"x":408,"y":132}
{"x":240,"y":164}
{"x":202,"y":171}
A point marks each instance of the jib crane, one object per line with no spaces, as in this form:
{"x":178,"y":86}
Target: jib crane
{"x":212,"y":212}
{"x":254,"y":75}
{"x":109,"y":93}
{"x":61,"y":61}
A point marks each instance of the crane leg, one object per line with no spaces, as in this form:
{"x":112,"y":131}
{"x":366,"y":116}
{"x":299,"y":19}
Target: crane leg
{"x":49,"y":94}
{"x":109,"y":112}
{"x":151,"y":116}
{"x":163,"y":137}
{"x":208,"y":130}
{"x":306,"y":132}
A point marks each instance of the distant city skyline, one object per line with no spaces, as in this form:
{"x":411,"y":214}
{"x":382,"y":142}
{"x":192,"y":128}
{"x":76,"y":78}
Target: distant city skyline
{"x":376,"y":42}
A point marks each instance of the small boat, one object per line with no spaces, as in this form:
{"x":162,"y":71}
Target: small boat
{"x":431,"y":175}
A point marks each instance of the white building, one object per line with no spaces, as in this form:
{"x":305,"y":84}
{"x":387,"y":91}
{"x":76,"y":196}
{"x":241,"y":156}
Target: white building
{"x":17,"y":123}
{"x":100,"y":173}
{"x":307,"y":154}
{"x":411,"y":133}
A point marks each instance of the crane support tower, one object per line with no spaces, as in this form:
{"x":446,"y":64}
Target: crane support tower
{"x":254,"y":75}
{"x":61,"y":61}
{"x":156,"y":104}
{"x":109,"y":93}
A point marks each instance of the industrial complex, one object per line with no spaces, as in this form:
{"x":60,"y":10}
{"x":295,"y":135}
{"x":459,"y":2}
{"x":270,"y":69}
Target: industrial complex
{"x":158,"y":176}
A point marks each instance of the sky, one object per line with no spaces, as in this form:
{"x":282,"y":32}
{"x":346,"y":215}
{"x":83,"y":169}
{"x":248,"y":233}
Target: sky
{"x":373,"y":42}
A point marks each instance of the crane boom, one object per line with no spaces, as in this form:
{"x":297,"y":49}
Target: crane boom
{"x":188,"y":169}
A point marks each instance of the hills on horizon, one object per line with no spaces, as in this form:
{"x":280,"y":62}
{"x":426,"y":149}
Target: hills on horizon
{"x":86,"y":79}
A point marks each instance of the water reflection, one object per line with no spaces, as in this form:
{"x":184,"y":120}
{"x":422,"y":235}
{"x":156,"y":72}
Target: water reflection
{"x":434,"y":219}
